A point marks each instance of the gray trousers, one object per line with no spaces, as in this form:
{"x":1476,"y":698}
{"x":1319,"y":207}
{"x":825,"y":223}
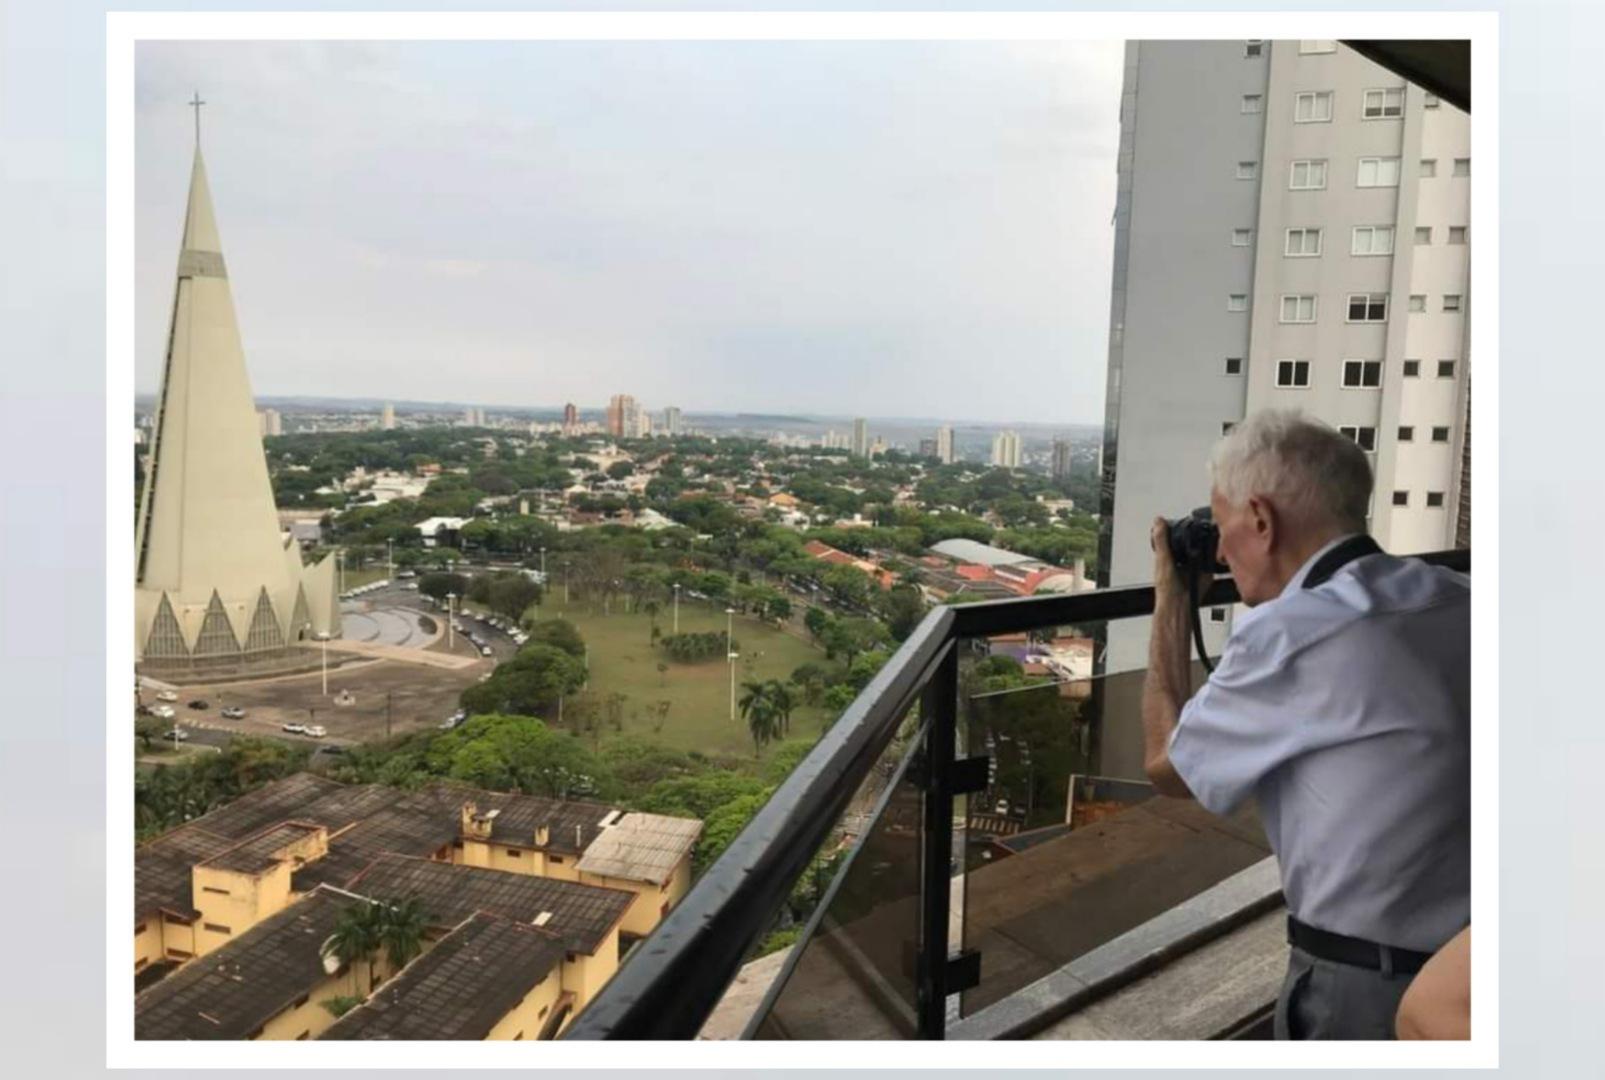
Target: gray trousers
{"x":1325,"y":1000}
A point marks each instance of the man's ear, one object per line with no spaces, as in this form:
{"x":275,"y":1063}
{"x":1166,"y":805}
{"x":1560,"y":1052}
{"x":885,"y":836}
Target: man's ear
{"x":1267,"y":527}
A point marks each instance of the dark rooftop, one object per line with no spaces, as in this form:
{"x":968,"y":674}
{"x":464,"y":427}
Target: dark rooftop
{"x":301,"y":797}
{"x":420,"y":823}
{"x":573,"y":824}
{"x":231,"y":992}
{"x":459,"y":989}
{"x":260,"y":852}
{"x":162,"y":869}
{"x":581,"y":915}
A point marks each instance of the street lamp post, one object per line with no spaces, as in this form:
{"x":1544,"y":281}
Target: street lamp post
{"x":390,"y":560}
{"x":677,"y":607}
{"x":324,"y":638}
{"x":730,"y":655}
{"x":451,"y":628}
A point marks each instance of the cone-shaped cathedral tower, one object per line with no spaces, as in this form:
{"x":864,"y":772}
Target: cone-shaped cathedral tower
{"x":215,"y":579}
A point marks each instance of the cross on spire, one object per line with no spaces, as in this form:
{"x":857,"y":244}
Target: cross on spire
{"x":196,"y":103}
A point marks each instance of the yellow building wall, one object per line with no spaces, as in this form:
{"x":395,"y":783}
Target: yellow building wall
{"x":526,"y":1019}
{"x":585,"y":975}
{"x":647,"y":910}
{"x":148,"y":942}
{"x":231,"y":903}
{"x":516,"y":859}
{"x":309,"y":1019}
{"x":176,"y":938}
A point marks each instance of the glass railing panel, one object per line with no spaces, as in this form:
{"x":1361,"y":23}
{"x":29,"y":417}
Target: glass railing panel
{"x":852,"y":975}
{"x":1067,"y":847}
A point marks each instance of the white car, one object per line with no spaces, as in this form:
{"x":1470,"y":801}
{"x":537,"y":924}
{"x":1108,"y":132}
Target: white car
{"x":178,"y":734}
{"x":167,"y":695}
{"x":484,"y":650}
{"x":163,"y":712}
{"x":314,"y":731}
{"x":293,"y":729}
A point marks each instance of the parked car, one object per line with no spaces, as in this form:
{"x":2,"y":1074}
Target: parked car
{"x":200,"y":703}
{"x":406,"y":573}
{"x":144,"y":710}
{"x":315,"y":731}
{"x":233,"y":712}
{"x":163,"y":712}
{"x":484,"y":650}
{"x":293,"y":729}
{"x":167,"y":695}
{"x":331,"y":748}
{"x":178,"y":734}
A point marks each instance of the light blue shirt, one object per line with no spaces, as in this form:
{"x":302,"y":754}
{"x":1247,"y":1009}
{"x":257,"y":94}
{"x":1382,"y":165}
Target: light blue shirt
{"x":1345,"y":710}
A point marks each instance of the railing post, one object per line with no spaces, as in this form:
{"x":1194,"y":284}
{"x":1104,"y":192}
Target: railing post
{"x":939,"y":705}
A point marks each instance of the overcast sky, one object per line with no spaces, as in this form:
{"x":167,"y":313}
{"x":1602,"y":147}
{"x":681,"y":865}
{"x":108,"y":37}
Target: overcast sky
{"x":903,"y":229}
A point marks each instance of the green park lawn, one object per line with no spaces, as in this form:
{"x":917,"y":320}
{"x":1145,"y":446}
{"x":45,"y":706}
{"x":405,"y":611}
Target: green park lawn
{"x":623,"y":661}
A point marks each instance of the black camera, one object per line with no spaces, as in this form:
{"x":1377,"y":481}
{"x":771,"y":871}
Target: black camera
{"x":1193,"y":541}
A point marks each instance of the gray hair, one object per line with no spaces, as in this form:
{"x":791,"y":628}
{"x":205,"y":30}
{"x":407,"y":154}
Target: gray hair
{"x":1306,"y":469}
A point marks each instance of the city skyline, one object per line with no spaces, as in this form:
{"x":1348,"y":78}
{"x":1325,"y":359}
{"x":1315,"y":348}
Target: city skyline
{"x":855,"y":259}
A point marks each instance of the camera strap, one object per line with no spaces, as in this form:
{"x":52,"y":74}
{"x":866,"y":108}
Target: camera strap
{"x":1355,"y":547}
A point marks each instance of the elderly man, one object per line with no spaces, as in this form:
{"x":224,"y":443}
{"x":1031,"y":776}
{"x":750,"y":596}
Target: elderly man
{"x":1342,"y":704}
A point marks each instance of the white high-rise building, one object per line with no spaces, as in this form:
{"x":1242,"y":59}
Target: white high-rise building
{"x":1291,"y":232}
{"x":944,"y":445}
{"x":269,"y":422}
{"x":1006,"y":450}
{"x":860,"y":445}
{"x":671,"y":420}
{"x":387,"y":417}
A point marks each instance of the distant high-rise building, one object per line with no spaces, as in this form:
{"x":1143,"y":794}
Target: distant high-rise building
{"x":927,"y":448}
{"x":1006,"y":450}
{"x":860,"y":445}
{"x":1061,"y":459}
{"x":387,"y":417}
{"x":671,"y":420}
{"x":571,"y":419}
{"x":269,"y":422}
{"x":944,"y":445}
{"x":621,"y":411}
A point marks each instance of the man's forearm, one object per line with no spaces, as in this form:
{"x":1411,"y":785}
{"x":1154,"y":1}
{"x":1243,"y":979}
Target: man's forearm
{"x":1167,"y":684}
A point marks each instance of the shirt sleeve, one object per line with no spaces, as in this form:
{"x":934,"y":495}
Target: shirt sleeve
{"x":1242,"y":723}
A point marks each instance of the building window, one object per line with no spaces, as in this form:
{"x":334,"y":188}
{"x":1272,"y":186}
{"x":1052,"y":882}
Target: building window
{"x":1293,"y":374}
{"x":1378,"y":172}
{"x":140,"y":929}
{"x":1364,"y":437}
{"x":305,"y":1035}
{"x":1440,"y":434}
{"x":555,"y":860}
{"x":300,"y":1001}
{"x":1362,"y":374}
{"x":141,"y":962}
{"x":514,"y":853}
{"x":1252,"y":49}
{"x":1308,"y":174}
{"x":1247,"y":170}
{"x":1429,"y":101}
{"x":1446,"y":369}
{"x":1462,"y":166}
{"x":1298,"y":309}
{"x":1434,"y":500}
{"x":1372,"y":240}
{"x":214,"y":889}
{"x":1237,"y":302}
{"x":1429,"y":168}
{"x":1418,"y":302}
{"x":1401,"y":498}
{"x":1368,"y":307}
{"x":1217,"y":614}
{"x":1382,"y":104}
{"x":1252,"y":103}
{"x":1303,"y":242}
{"x":1308,"y":48}
{"x":1451,"y":301}
{"x":1423,"y":234}
{"x":1407,"y":434}
{"x":1241,"y":237}
{"x":542,"y":1014}
{"x":1312,"y":107}
{"x":1457,"y":234}
{"x":1412,"y":368}
{"x":1234,"y":365}
{"x":216,"y":928}
{"x":175,"y":920}
{"x":178,"y":954}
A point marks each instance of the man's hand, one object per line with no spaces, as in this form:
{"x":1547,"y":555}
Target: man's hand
{"x":1166,"y":683}
{"x":1169,"y":582}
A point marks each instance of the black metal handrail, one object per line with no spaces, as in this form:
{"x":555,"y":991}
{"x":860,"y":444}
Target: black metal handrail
{"x":672,"y":981}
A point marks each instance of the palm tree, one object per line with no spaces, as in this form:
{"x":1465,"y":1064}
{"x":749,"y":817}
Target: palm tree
{"x":356,"y":936}
{"x":401,"y":931}
{"x":754,"y":697}
{"x":762,"y":722}
{"x":783,"y":701}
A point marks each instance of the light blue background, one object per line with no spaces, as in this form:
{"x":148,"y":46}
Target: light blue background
{"x":1552,"y":531}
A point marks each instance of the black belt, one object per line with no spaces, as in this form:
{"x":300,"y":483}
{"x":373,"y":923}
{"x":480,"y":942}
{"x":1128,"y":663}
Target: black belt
{"x":1357,"y":952}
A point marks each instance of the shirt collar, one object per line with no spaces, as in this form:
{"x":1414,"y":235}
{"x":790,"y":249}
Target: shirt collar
{"x":1296,"y":582}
